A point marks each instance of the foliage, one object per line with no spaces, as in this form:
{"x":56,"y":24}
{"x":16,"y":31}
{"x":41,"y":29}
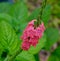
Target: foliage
{"x":55,"y":56}
{"x":52,"y":37}
{"x":13,"y":19}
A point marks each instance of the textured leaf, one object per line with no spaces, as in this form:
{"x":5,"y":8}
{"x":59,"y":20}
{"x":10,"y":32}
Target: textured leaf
{"x":6,"y":17}
{"x":40,"y":45}
{"x":25,"y":56}
{"x":46,"y":14}
{"x":5,"y":7}
{"x":34,"y":14}
{"x":19,"y":11}
{"x":52,"y":37}
{"x":8,"y":38}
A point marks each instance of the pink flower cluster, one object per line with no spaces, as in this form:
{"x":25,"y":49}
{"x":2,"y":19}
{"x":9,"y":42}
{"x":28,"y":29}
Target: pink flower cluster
{"x":31,"y":35}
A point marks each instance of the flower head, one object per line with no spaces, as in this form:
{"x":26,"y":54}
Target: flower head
{"x":25,"y":45}
{"x":31,"y":35}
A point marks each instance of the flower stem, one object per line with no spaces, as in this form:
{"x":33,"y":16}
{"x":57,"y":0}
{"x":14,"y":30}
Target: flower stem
{"x":7,"y":58}
{"x":11,"y":58}
{"x":42,"y":8}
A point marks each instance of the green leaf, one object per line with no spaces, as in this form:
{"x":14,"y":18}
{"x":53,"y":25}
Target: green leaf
{"x":55,"y":56}
{"x":52,"y":37}
{"x":57,"y":51}
{"x":46,"y":14}
{"x":34,"y":14}
{"x":25,"y":56}
{"x":13,"y":21}
{"x":1,"y":50}
{"x":37,"y":57}
{"x":5,"y":17}
{"x":40,"y":45}
{"x":22,"y":1}
{"x":8,"y":39}
{"x":56,"y":10}
{"x":19,"y":11}
{"x":5,"y":7}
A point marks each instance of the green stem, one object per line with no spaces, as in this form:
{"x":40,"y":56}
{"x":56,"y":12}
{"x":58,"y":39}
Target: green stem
{"x":11,"y":58}
{"x":43,"y":6}
{"x":14,"y":56}
{"x":36,"y":24}
{"x":6,"y":59}
{"x":37,"y":57}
